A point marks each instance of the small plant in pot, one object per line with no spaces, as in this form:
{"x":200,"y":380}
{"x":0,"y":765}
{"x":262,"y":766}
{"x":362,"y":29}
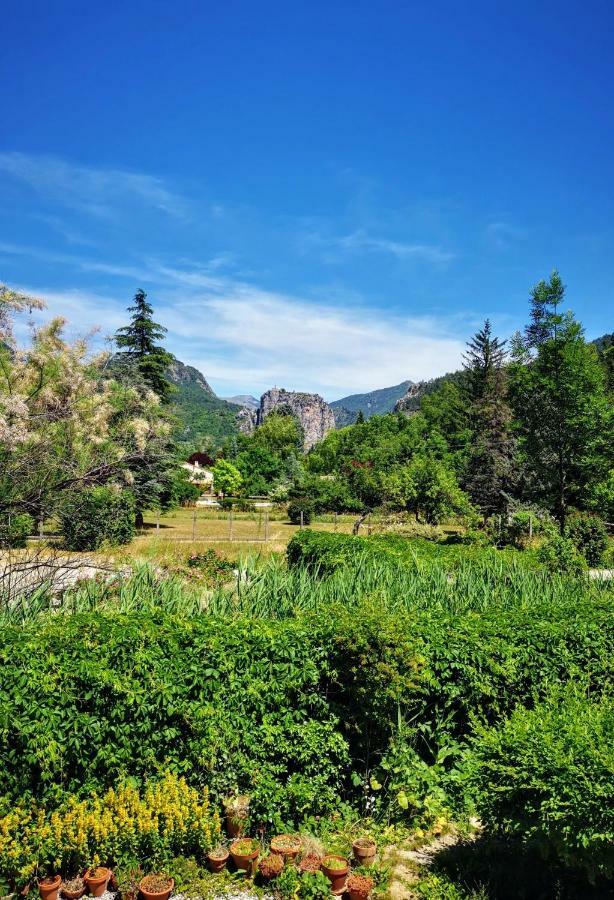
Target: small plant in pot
{"x":73,"y":889}
{"x":244,"y":852}
{"x":364,"y":851}
{"x":270,"y":866}
{"x":157,"y":886}
{"x":359,"y":886}
{"x":335,"y":868}
{"x":287,"y":845}
{"x":96,"y":880}
{"x":127,"y":881}
{"x":311,"y":862}
{"x":236,"y":809}
{"x":217,"y":858}
{"x":49,"y":887}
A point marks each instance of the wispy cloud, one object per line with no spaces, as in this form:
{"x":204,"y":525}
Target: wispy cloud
{"x":502,"y":235}
{"x":94,"y":190}
{"x":361,"y":240}
{"x":245,"y":338}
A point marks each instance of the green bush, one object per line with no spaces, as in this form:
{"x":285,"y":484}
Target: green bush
{"x":95,"y":516}
{"x":589,"y":536}
{"x":233,"y":704}
{"x":300,"y":506}
{"x":15,"y":529}
{"x":546,"y":777}
{"x":559,"y":554}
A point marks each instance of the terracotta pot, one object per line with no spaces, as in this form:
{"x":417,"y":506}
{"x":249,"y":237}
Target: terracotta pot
{"x":336,"y":876}
{"x":72,"y":895}
{"x":289,"y":853}
{"x":244,"y":861}
{"x":235,"y":825}
{"x":156,"y":895}
{"x":310,"y":863}
{"x":97,"y":884}
{"x":364,"y":856}
{"x":358,"y":895}
{"x":217,"y":863}
{"x":49,"y":887}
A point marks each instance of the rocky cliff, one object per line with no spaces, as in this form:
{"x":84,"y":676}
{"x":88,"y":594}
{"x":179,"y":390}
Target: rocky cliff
{"x":316,"y":416}
{"x":180,"y":374}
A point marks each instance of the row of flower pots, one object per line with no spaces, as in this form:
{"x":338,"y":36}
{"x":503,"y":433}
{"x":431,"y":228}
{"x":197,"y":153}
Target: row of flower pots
{"x":95,"y":882}
{"x":285,"y":848}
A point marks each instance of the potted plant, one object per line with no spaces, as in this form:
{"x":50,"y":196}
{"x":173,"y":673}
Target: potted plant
{"x":244,"y":852}
{"x":96,"y":880}
{"x":287,"y":845}
{"x":335,"y":868}
{"x":359,"y":886}
{"x":49,"y":887}
{"x":217,"y":858}
{"x":270,"y":866}
{"x":157,"y":886}
{"x":73,"y":889}
{"x":364,"y":851}
{"x":127,"y":882}
{"x":311,"y":862}
{"x":236,"y":809}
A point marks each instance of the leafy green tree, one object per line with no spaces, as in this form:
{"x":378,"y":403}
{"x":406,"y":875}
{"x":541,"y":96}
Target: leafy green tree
{"x":427,"y":488}
{"x":280,"y":434}
{"x":560,"y":400}
{"x":137,"y":341}
{"x":227,"y":479}
{"x":490,"y":472}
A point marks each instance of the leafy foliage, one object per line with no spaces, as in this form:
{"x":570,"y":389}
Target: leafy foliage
{"x":546,"y":777}
{"x":589,"y":535}
{"x":15,"y":529}
{"x":92,"y":517}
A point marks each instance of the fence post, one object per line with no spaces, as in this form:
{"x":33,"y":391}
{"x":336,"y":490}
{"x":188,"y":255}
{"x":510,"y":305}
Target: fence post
{"x":336,"y":514}
{"x":302,"y":519}
{"x":157,"y":521}
{"x":40,"y":528}
{"x":230,"y":524}
{"x":266,"y":526}
{"x":193,"y":524}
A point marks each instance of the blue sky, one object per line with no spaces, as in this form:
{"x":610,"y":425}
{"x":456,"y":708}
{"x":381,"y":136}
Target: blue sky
{"x":327,"y":196}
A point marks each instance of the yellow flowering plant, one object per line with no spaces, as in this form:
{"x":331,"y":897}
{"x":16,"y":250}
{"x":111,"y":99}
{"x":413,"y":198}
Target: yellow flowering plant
{"x":118,"y":827}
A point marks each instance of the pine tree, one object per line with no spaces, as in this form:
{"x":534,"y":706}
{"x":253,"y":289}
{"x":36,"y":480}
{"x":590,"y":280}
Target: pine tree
{"x":490,"y":465}
{"x":137,"y":341}
{"x":360,"y":418}
{"x":561,"y":403}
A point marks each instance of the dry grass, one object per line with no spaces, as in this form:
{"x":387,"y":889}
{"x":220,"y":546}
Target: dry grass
{"x":212,"y":529}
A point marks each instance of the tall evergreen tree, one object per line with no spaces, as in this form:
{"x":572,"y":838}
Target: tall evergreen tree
{"x":137,"y":341}
{"x":561,"y":403}
{"x":490,"y":465}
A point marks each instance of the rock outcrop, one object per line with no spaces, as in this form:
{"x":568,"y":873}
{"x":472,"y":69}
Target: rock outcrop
{"x":410,"y":401}
{"x":316,"y":416}
{"x":180,"y":374}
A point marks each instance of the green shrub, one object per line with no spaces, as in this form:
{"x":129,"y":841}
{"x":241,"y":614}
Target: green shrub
{"x":96,"y":516}
{"x":546,"y":777}
{"x":299,"y":507}
{"x":15,"y":529}
{"x":559,"y":554}
{"x":589,"y":536}
{"x":234,"y":704}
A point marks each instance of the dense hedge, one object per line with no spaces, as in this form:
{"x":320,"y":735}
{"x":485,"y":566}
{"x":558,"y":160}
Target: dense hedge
{"x":300,"y":713}
{"x":322,"y":552}
{"x":546,"y":777}
{"x":87,"y":699}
